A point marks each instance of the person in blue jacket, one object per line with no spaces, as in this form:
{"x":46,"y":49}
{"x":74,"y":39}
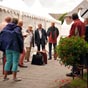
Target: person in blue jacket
{"x":12,"y":42}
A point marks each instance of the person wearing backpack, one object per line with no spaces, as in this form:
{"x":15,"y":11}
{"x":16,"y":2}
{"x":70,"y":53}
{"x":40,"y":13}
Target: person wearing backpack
{"x":12,"y":42}
{"x":7,"y":20}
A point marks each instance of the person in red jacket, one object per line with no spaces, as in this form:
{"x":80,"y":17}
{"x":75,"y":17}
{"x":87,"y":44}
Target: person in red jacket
{"x":52,"y":34}
{"x":77,"y":29}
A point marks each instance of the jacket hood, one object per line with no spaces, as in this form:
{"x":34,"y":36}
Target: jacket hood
{"x":10,"y":27}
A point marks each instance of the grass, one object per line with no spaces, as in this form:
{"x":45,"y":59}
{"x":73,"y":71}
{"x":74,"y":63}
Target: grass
{"x":77,"y":83}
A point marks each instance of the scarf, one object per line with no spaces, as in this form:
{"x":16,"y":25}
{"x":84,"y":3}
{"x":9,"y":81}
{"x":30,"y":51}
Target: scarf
{"x":53,"y":32}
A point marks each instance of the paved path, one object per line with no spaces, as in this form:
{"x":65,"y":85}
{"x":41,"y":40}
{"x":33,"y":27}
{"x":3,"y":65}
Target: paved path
{"x":46,"y":76}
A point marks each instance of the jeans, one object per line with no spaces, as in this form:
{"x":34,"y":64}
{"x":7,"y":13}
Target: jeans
{"x":12,"y":58}
{"x":50,"y":49}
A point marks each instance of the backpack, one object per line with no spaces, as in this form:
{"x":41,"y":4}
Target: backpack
{"x":3,"y":40}
{"x":2,"y":46}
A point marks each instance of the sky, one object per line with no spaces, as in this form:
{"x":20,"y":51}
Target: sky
{"x":51,"y":6}
{"x":56,"y":6}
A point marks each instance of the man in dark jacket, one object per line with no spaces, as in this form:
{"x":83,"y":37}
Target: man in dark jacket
{"x":40,"y":37}
{"x":86,"y":39}
{"x":52,"y":34}
{"x":86,"y":25}
{"x":12,"y":42}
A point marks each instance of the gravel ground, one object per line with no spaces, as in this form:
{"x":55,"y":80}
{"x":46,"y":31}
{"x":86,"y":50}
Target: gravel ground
{"x":51,"y":75}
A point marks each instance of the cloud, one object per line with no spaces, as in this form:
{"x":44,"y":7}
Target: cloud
{"x":57,"y":6}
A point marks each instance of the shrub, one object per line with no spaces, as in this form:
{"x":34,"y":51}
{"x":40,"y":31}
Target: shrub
{"x":70,"y":49}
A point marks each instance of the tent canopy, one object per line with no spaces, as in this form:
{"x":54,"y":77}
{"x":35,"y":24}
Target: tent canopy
{"x":40,"y":11}
{"x":36,"y":9}
{"x":15,"y":4}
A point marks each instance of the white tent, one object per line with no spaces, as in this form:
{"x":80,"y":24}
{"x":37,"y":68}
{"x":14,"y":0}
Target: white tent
{"x":81,"y":18}
{"x":65,"y":29}
{"x":36,"y":9}
{"x":37,"y":12}
{"x":15,"y":4}
{"x":40,"y":11}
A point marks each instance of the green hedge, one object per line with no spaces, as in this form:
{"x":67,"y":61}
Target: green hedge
{"x":69,"y":49}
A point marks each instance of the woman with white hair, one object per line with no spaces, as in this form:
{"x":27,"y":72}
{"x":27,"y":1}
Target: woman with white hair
{"x":28,"y":42}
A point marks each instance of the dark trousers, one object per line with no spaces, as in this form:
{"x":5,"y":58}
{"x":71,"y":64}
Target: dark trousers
{"x":50,"y":49}
{"x":40,"y":44}
{"x":81,"y":61}
{"x":38,"y":47}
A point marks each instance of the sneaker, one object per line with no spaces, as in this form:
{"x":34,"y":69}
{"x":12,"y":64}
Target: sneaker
{"x":22,"y":66}
{"x":49,"y":59}
{"x":55,"y":58}
{"x":5,"y":79}
{"x":17,"y":80}
{"x":77,"y":73}
{"x":70,"y":75}
{"x":18,"y":70}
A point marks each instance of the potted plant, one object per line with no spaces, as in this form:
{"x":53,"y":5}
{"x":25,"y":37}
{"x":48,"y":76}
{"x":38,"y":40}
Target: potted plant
{"x":70,"y":49}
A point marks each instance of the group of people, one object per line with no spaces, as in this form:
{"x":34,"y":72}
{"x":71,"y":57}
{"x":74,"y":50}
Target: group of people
{"x":39,"y":38}
{"x":42,"y":37}
{"x":16,"y":46}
